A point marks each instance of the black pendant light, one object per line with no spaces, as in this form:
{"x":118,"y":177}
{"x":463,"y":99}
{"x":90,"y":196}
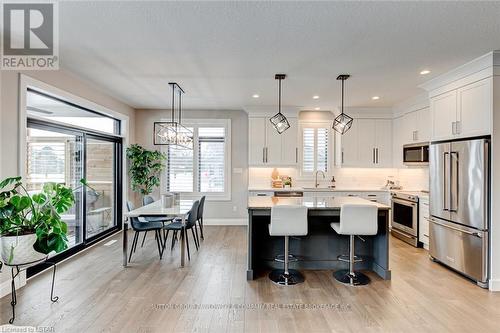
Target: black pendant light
{"x":279,"y":120}
{"x":173,"y":133}
{"x":342,"y":123}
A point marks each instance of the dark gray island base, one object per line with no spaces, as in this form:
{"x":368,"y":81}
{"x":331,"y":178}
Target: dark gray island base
{"x":320,"y":248}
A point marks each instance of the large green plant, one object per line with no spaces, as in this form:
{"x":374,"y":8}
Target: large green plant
{"x":145,"y":168}
{"x":23,"y":214}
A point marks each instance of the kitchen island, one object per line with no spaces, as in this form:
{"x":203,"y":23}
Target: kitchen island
{"x":321,"y":247}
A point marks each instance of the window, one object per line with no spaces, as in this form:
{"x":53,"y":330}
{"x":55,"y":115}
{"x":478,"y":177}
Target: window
{"x":315,"y":148}
{"x":205,"y":169}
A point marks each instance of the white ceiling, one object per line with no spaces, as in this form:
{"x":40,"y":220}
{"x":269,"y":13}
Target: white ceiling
{"x":223,"y":52}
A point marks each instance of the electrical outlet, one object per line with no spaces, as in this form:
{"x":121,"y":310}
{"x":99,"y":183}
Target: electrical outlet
{"x":235,"y":208}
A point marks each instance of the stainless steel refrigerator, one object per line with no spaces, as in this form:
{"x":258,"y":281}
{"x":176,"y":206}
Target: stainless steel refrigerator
{"x":459,"y":206}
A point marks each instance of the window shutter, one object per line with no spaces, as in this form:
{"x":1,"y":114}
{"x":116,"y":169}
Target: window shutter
{"x":211,"y":159}
{"x":308,"y":150}
{"x":322,"y":149}
{"x":179,"y":170}
{"x":46,"y":162}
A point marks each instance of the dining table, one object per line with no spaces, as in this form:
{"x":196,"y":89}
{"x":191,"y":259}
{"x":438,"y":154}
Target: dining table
{"x":178,"y":210}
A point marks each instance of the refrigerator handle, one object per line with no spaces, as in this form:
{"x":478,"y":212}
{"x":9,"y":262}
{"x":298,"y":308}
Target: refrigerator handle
{"x":445,"y":182}
{"x":454,"y":208}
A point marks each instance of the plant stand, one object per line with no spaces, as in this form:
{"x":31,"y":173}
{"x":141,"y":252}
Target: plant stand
{"x":15,"y":271}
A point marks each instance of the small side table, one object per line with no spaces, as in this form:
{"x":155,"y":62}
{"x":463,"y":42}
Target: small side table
{"x":16,"y":270}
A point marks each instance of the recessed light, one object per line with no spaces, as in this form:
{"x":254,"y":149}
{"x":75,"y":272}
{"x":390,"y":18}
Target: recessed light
{"x":315,"y":97}
{"x":375,"y":98}
{"x":317,"y":109}
{"x":255,"y":96}
{"x":424,"y":72}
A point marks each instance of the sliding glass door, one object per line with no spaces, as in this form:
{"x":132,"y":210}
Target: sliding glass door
{"x":65,"y":143}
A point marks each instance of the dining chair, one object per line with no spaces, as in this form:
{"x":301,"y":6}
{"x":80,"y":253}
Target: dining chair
{"x":176,"y":226}
{"x":145,"y":226}
{"x":146,"y":200}
{"x":200,"y":218}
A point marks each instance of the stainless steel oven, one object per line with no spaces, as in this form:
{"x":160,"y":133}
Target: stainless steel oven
{"x":405,"y":217}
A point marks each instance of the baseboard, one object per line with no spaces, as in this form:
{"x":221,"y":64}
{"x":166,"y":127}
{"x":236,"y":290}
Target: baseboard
{"x":5,"y":286}
{"x":225,"y":221}
{"x":494,"y":285}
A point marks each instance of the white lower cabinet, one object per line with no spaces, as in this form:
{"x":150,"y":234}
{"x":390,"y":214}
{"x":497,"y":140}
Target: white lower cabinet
{"x":423,"y":222}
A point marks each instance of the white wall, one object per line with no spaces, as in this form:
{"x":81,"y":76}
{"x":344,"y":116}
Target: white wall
{"x":235,"y":210}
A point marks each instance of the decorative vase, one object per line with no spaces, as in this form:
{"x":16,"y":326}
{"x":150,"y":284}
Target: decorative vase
{"x":18,"y":250}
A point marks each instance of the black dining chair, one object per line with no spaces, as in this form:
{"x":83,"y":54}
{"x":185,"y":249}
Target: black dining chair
{"x":176,"y":226}
{"x":200,"y":217}
{"x":146,"y":200}
{"x":139,"y":227}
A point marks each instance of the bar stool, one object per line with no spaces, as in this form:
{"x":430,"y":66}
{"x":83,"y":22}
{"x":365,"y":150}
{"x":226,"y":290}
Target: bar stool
{"x":355,"y":220}
{"x":287,"y":220}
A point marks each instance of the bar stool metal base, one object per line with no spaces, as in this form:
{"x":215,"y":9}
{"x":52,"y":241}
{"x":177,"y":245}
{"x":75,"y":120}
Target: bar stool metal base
{"x":353,"y":279}
{"x":293,"y":277}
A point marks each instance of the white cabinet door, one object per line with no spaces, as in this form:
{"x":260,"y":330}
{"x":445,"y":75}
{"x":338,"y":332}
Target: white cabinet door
{"x":273,"y":144}
{"x":289,"y":143}
{"x":366,"y":143}
{"x":349,"y":150}
{"x":423,"y":223}
{"x":475,"y":106}
{"x":443,"y":115}
{"x":423,"y":122}
{"x":397,"y":142}
{"x":409,"y":127}
{"x":256,"y":141}
{"x":383,"y":143}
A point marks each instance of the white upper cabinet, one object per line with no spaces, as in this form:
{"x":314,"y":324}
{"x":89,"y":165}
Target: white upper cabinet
{"x":368,"y":144}
{"x":475,"y":109}
{"x":267,"y":147}
{"x":463,"y":112}
{"x":443,"y":115}
{"x":256,"y":141}
{"x":289,"y":143}
{"x":423,"y":125}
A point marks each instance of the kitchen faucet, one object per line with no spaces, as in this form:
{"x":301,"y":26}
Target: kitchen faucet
{"x":316,"y":184}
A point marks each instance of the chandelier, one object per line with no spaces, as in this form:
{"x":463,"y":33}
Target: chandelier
{"x":173,"y":133}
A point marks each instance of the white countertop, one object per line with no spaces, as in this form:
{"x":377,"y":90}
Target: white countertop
{"x":319,"y":189}
{"x":317,"y":202}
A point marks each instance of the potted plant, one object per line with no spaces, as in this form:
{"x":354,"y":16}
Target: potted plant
{"x":30,"y":225}
{"x":145,"y":168}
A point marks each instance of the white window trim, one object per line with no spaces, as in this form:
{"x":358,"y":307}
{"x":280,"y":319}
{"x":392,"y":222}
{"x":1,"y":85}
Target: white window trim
{"x":331,"y":137}
{"x":26,"y":82}
{"x":210,"y":196}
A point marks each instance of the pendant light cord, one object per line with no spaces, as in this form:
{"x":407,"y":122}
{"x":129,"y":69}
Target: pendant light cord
{"x":279,"y":96}
{"x":343,"y":96}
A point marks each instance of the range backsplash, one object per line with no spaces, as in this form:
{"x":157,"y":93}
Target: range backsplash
{"x":408,"y":178}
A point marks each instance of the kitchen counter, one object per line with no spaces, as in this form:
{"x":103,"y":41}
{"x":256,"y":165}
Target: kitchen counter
{"x":317,"y":202}
{"x":318,"y":189}
{"x":322,"y":245}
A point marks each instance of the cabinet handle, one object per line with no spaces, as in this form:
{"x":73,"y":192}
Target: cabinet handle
{"x":416,"y":135}
{"x":458,"y":127}
{"x":377,"y":155}
{"x":342,"y":157}
{"x":263,"y":154}
{"x":267,"y":150}
{"x":373,"y":155}
{"x":296,"y":155}
{"x":413,"y":135}
{"x":453,"y":128}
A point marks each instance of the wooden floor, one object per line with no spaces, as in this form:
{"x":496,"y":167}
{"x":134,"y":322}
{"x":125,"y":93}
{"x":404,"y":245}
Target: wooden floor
{"x":97,"y":294}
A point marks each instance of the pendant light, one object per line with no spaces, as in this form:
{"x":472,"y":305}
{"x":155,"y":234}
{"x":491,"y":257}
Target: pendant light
{"x":342,"y":123}
{"x":279,"y":120}
{"x":172,"y":133}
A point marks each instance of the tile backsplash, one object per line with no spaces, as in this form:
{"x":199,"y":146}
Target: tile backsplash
{"x":408,"y":178}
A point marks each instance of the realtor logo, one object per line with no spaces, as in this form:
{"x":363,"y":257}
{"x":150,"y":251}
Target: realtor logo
{"x":30,"y":36}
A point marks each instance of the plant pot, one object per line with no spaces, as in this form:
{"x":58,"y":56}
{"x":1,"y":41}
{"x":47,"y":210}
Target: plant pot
{"x":21,"y":248}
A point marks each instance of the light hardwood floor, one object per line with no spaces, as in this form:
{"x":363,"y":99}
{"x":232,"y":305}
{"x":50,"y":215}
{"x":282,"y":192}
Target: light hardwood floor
{"x":98,"y":294}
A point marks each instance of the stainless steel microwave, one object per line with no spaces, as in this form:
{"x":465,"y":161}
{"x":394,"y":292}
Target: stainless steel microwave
{"x":416,"y":154}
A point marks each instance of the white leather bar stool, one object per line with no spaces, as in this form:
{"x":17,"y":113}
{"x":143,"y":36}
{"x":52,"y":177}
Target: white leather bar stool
{"x":286,"y":221}
{"x":355,"y":220}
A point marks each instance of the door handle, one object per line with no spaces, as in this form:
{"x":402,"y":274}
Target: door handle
{"x":445,"y":183}
{"x":455,"y":180}
{"x":477,"y":234}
